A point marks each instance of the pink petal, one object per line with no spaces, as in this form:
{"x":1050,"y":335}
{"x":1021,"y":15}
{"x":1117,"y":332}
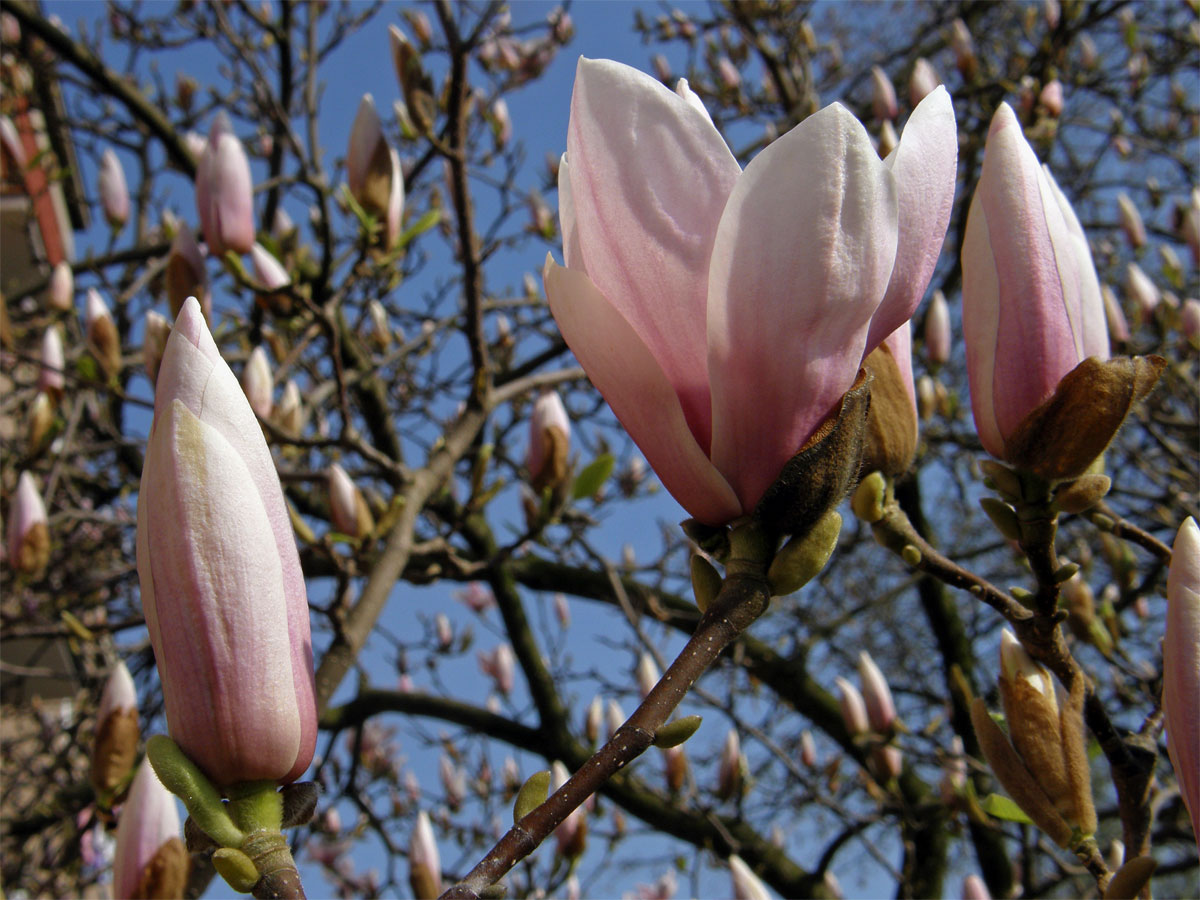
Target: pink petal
{"x":572,"y":254}
{"x":649,"y":178}
{"x":622,"y":368}
{"x":925,"y":166}
{"x":148,"y":820}
{"x":1181,"y":666}
{"x":803,"y":256}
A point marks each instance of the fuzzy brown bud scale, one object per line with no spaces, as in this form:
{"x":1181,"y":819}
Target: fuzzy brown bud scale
{"x":890,"y":441}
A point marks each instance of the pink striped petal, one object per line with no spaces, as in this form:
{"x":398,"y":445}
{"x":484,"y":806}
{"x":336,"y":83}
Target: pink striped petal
{"x":623,"y":369}
{"x":803,"y":255}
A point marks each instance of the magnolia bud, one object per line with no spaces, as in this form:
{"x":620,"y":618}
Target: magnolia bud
{"x":60,"y":292}
{"x":259,"y":383}
{"x":571,"y":834}
{"x":549,"y":442}
{"x":1142,"y":291}
{"x":1131,"y":221}
{"x":28,"y":533}
{"x":349,"y":511}
{"x":593,"y":719}
{"x":647,"y":674}
{"x":616,"y":717}
{"x":746,"y":885}
{"x":808,"y":749}
{"x":676,"y":765}
{"x":854,"y":709}
{"x":883,"y":95}
{"x":923,"y":81}
{"x":101,"y":331}
{"x":154,"y":342}
{"x":424,"y":862}
{"x":185,"y":274}
{"x":41,"y":417}
{"x":151,"y":860}
{"x":730,"y":779}
{"x":499,"y":666}
{"x":881,"y":711}
{"x":937,"y":330}
{"x":114,"y":194}
{"x":50,"y":376}
{"x":114,"y":749}
{"x":289,"y":412}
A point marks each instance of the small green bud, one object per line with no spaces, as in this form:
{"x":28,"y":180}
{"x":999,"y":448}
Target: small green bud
{"x":533,"y":794}
{"x":497,"y":891}
{"x":1003,"y":516}
{"x":183,"y":778}
{"x":1083,"y":493}
{"x":801,"y":558}
{"x":706,"y":582}
{"x":1003,"y":479}
{"x":236,"y":868}
{"x":675,"y":733}
{"x":1020,"y":594}
{"x":867,"y":502}
{"x":1103,"y":522}
{"x":911,"y":554}
{"x":1065,"y":572}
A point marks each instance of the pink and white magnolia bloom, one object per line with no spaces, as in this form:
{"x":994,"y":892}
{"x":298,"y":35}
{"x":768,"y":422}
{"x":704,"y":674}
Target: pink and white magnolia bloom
{"x":149,"y":819}
{"x":723,"y":314}
{"x":222,"y":588}
{"x":225,"y":191}
{"x":114,"y":193}
{"x":1181,"y":666}
{"x":1032,"y":308}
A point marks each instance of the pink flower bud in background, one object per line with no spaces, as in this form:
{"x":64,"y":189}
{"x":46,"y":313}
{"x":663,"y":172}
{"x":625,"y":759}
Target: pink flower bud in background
{"x":1189,"y":319}
{"x":60,"y":292}
{"x":923,"y":81}
{"x":593,"y":719}
{"x":1114,"y":316}
{"x":616,"y":717}
{"x":195,"y":143}
{"x":881,"y":711}
{"x":679,"y":293}
{"x":1051,"y":12}
{"x":549,"y":442}
{"x":937,"y":330}
{"x":745,"y":884}
{"x":50,"y":375}
{"x":225,"y":191}
{"x":926,"y":397}
{"x":185,"y":275}
{"x":730,"y":77}
{"x":424,"y":861}
{"x":562,"y":611}
{"x":730,"y":766}
{"x":647,"y":674}
{"x":888,"y":139}
{"x":854,"y":710}
{"x":28,"y":532}
{"x":1189,"y":225}
{"x":289,"y":412}
{"x":501,"y":122}
{"x":154,"y":343}
{"x":1032,"y":308}
{"x":808,"y":749}
{"x":259,"y":383}
{"x":1142,"y":291}
{"x":662,"y":68}
{"x":887,"y":762}
{"x":222,"y":588}
{"x":443,"y":630}
{"x":1051,"y":98}
{"x":1131,"y":221}
{"x":114,"y":749}
{"x":499,"y":666}
{"x":364,"y":150}
{"x":267,"y":269}
{"x":883,"y":95}
{"x":1089,"y":56}
{"x":676,"y":766}
{"x":114,"y":193}
{"x":10,"y":28}
{"x":974,"y":889}
{"x":347,"y":507}
{"x":954,"y":772}
{"x":151,"y":860}
{"x":963,"y":46}
{"x":421,"y":26}
{"x":101,"y":333}
{"x":1181,"y":667}
{"x":571,"y":834}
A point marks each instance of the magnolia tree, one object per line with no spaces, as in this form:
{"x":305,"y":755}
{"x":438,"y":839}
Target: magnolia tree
{"x":342,"y":477}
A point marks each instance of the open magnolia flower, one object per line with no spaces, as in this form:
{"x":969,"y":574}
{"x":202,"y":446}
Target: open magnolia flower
{"x":724,"y":314}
